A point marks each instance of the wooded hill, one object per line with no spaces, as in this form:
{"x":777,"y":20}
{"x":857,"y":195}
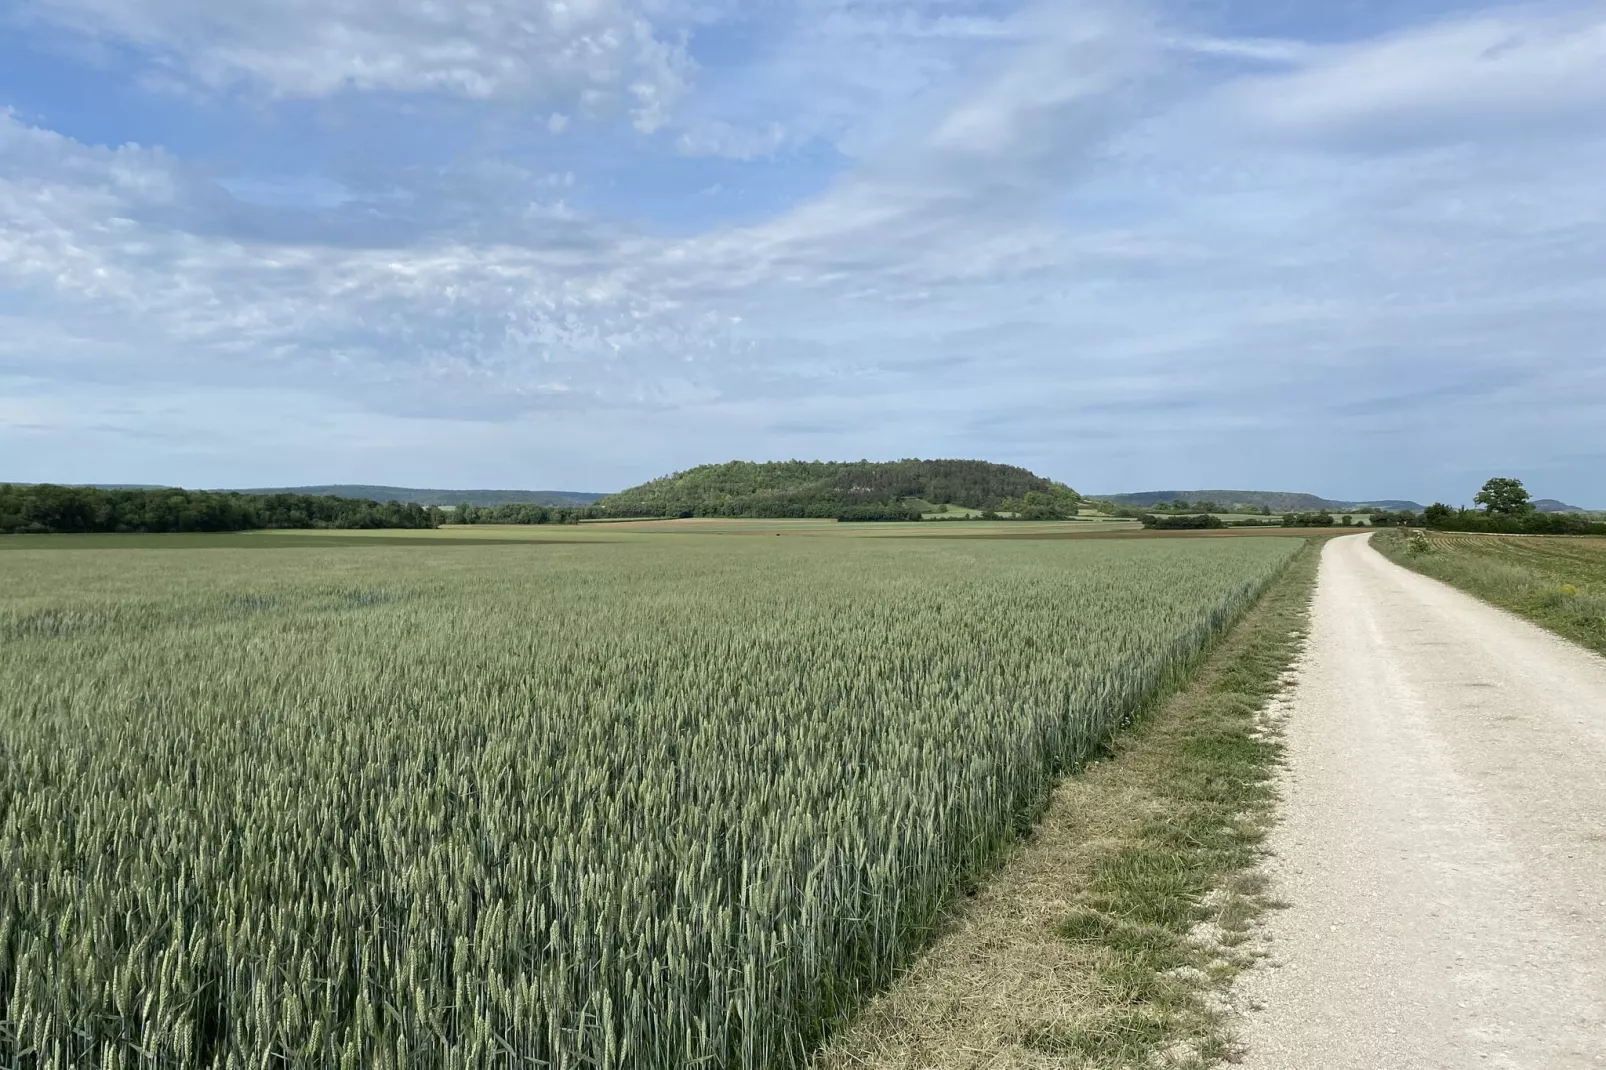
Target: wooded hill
{"x":849,"y":490}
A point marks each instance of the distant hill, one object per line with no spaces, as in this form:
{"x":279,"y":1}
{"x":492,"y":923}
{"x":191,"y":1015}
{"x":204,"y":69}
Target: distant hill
{"x":1252,"y":500}
{"x":94,"y":486}
{"x":388,"y":494}
{"x":862,"y":489}
{"x":1551,"y":505}
{"x":438,"y":497}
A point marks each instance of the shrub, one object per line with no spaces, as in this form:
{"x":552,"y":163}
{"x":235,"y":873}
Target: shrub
{"x":1196,"y":522}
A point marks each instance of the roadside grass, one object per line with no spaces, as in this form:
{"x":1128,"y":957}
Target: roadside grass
{"x":1556,"y":581}
{"x":1108,"y":939}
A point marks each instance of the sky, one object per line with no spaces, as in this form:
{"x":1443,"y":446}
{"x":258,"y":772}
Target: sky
{"x":1356,"y":248}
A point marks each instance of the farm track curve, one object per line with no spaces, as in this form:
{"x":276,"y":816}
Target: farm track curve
{"x":1443,"y":848}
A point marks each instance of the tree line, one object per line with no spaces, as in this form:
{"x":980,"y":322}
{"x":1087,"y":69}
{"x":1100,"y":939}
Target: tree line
{"x":1441,"y":517}
{"x":1194,"y":522}
{"x":1204,"y":505}
{"x":1507,"y":509}
{"x":49,"y":509}
{"x":519,"y":513}
{"x":1200,"y":521}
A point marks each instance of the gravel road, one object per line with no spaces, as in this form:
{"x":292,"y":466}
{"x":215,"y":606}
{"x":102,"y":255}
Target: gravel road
{"x":1443,"y":846}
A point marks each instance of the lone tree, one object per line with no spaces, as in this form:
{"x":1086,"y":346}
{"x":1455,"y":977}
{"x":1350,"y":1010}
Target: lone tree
{"x":1504,"y":497}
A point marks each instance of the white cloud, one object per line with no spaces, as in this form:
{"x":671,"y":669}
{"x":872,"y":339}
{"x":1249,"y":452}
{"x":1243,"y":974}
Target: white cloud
{"x":844,"y":73}
{"x":956,"y":197}
{"x":584,"y":55}
{"x":1258,"y":49}
{"x":716,"y":138}
{"x":93,"y":239}
{"x":1032,"y":243}
{"x":1511,"y":71}
{"x":502,"y":313}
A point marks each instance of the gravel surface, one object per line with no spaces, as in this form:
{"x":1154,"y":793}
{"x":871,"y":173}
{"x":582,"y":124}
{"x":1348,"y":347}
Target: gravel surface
{"x":1443,"y":846}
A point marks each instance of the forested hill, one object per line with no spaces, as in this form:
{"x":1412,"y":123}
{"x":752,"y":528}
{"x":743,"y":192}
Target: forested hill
{"x":1250,"y":500}
{"x":846,"y":489}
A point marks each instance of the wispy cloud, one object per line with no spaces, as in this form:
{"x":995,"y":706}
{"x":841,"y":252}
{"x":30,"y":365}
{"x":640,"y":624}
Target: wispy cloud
{"x":589,"y":56}
{"x":1493,"y":75}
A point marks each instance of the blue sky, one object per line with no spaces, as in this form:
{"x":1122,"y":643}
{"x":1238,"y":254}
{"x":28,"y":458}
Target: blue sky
{"x":1357,"y":248}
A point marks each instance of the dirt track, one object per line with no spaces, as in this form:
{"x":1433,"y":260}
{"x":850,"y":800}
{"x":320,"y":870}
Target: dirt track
{"x":1444,"y":841}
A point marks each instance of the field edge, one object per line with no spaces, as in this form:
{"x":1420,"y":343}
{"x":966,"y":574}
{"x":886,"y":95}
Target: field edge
{"x":1111,"y":936}
{"x":1553,"y":581}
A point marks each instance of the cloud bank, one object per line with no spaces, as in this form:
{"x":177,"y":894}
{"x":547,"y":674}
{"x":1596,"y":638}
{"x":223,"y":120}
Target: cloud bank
{"x":589,"y":242}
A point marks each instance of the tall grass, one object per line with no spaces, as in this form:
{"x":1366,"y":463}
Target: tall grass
{"x":661,"y":805}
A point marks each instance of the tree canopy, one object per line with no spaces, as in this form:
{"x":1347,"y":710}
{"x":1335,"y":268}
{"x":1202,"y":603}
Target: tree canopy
{"x":46,"y":509}
{"x":1506,"y":497}
{"x":515,"y":513}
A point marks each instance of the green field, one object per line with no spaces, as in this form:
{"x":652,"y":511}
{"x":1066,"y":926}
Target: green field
{"x":588,"y":532}
{"x":387,"y":801}
{"x":1556,"y":581}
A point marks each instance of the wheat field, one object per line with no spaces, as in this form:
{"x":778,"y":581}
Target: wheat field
{"x":655,"y":803}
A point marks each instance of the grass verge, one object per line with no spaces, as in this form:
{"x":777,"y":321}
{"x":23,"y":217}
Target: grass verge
{"x":1109,"y":937}
{"x":1556,"y":581}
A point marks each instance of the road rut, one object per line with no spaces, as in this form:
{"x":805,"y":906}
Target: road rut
{"x":1443,"y":848}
